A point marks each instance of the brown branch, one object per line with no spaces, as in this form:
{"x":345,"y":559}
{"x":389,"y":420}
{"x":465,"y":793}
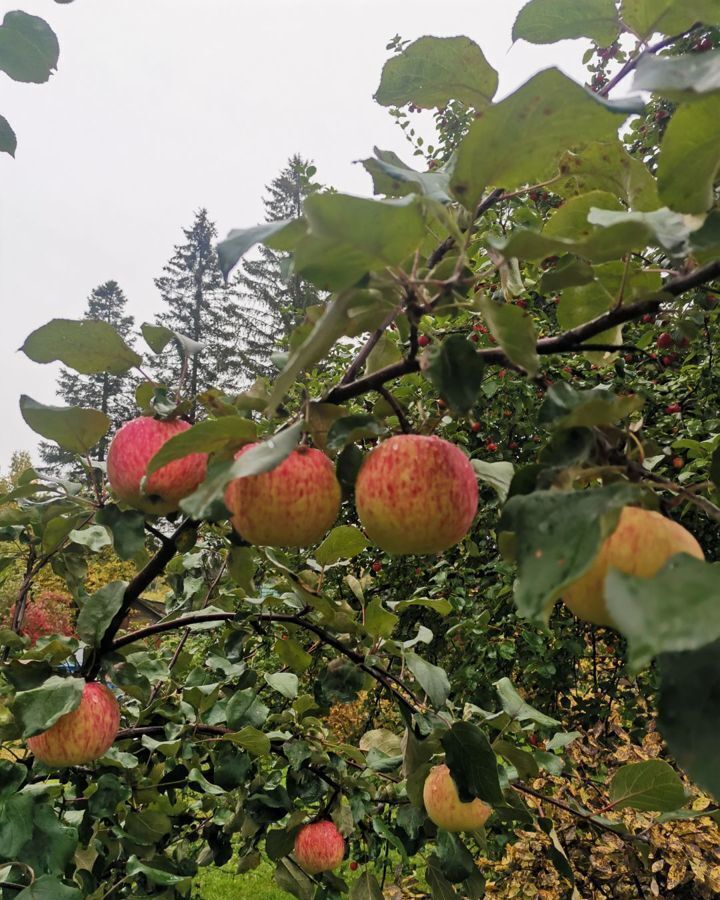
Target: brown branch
{"x":396,"y":408}
{"x":367,"y":348}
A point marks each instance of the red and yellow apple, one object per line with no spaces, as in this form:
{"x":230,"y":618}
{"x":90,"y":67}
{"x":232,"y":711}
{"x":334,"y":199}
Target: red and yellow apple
{"x":319,"y":847}
{"x":82,"y":735}
{"x":444,"y":806}
{"x":130,"y":451}
{"x":641,"y":544}
{"x":416,"y":494}
{"x":292,"y":505}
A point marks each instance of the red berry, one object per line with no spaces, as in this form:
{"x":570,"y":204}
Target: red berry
{"x":376,"y":566}
{"x":474,"y":338}
{"x":647,"y":318}
{"x":353,"y":865}
{"x":678,"y":462}
{"x":477,"y":327}
{"x":667,"y":360}
{"x":673,"y":408}
{"x":491,"y":446}
{"x":475,"y":427}
{"x":441,"y":403}
{"x":423,"y":340}
{"x":665,"y":340}
{"x":502,"y":373}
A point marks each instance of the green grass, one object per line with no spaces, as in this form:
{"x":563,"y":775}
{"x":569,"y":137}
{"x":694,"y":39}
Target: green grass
{"x":225,"y":884}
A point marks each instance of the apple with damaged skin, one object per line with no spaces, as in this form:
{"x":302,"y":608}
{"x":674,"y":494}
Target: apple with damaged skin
{"x":319,"y":847}
{"x":130,"y":451}
{"x":416,"y":494}
{"x":292,"y":505}
{"x":82,"y":735}
{"x":641,"y":544}
{"x":444,"y":806}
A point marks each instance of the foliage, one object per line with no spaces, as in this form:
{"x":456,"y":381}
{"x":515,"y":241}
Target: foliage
{"x":540,"y":300}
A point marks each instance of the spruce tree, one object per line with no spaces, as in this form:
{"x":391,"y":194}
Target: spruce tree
{"x":200,"y":306}
{"x":113,"y":394}
{"x":274,"y":300}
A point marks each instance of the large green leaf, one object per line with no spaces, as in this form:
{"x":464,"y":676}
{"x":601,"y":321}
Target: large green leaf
{"x":98,"y":611}
{"x":521,"y":138}
{"x":557,"y":537}
{"x":433,"y":70}
{"x":650,"y":786}
{"x":392,"y":177}
{"x":456,"y":861}
{"x":678,"y":609}
{"x":209,"y":436}
{"x":240,"y":240}
{"x":517,"y":708}
{"x":343,"y":542}
{"x":8,"y":140}
{"x":366,"y":887}
{"x":679,"y":77}
{"x":89,"y":346}
{"x":690,"y":156}
{"x":514,"y":331}
{"x":565,"y":407}
{"x":72,"y":427}
{"x":157,"y":337}
{"x":646,"y":17}
{"x":48,"y":887}
{"x":472,"y":763}
{"x":607,"y":167}
{"x":455,"y":369}
{"x":498,"y":475}
{"x":432,"y":679}
{"x":665,"y":227}
{"x":127,"y":528}
{"x":689,"y":717}
{"x":548,"y":21}
{"x":15,"y":824}
{"x":39,"y":708}
{"x":29,"y":50}
{"x":351,"y":236}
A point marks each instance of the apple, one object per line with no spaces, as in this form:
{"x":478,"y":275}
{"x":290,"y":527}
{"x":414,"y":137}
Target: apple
{"x":475,"y":427}
{"x":292,"y":505}
{"x":82,"y":735}
{"x":416,"y":494}
{"x":491,"y":446}
{"x":423,"y":340}
{"x":353,"y":865}
{"x":678,"y":462}
{"x":641,"y":544}
{"x":319,"y":847}
{"x":672,"y":408}
{"x":665,"y":340}
{"x":444,"y":806}
{"x":130,"y":451}
{"x":376,"y":566}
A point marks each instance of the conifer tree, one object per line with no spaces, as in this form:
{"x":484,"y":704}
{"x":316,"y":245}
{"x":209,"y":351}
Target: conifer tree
{"x":113,"y":394}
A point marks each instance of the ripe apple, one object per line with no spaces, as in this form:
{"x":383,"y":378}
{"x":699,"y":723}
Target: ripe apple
{"x":376,"y":566}
{"x":416,"y":494}
{"x":665,"y":340}
{"x":423,"y":340}
{"x":292,"y":505}
{"x":319,"y":847}
{"x":444,"y":806}
{"x":673,"y":408}
{"x":129,"y":453}
{"x":640,"y":545}
{"x":475,"y":427}
{"x":82,"y":735}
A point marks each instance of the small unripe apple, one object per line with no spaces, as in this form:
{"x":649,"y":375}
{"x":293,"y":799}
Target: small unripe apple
{"x":416,"y":494}
{"x":292,"y":505}
{"x":640,"y":545}
{"x":130,"y":451}
{"x":444,"y":806}
{"x":82,"y":735}
{"x":319,"y":847}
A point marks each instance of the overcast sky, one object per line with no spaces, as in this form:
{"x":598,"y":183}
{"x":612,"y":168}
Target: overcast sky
{"x":162,"y":106}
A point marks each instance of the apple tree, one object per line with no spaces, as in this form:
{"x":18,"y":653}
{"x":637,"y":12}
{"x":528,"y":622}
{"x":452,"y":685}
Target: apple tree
{"x":516,"y":350}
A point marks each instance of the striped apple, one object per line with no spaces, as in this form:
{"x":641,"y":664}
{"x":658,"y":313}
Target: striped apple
{"x":319,"y":847}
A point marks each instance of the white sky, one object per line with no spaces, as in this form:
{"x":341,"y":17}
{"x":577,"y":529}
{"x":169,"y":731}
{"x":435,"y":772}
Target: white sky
{"x":162,"y":106}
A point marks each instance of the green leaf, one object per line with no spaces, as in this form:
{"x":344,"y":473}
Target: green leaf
{"x":73,"y":428}
{"x":16,"y":816}
{"x":646,"y":17}
{"x":39,"y":708}
{"x":650,"y":786}
{"x":570,"y":271}
{"x":392,"y":177}
{"x":154,"y":874}
{"x":522,"y":760}
{"x":343,"y":542}
{"x":245,"y":708}
{"x":715,"y":467}
{"x":549,"y":21}
{"x":517,"y":708}
{"x":679,"y":77}
{"x":378,"y":621}
{"x":678,"y":609}
{"x":565,"y":407}
{"x":29,"y":50}
{"x":252,"y":740}
{"x":8,"y":140}
{"x":366,"y":887}
{"x":350,"y":429}
{"x":226,"y":434}
{"x":498,"y":475}
{"x":455,"y":369}
{"x":692,"y":134}
{"x":607,"y":167}
{"x":557,"y":537}
{"x":95,"y":537}
{"x":240,"y":240}
{"x":127,"y":528}
{"x":12,"y":778}
{"x":48,"y":887}
{"x":291,"y":878}
{"x":689,"y":701}
{"x":98,"y":612}
{"x":263,"y":457}
{"x":514,"y":331}
{"x":432,"y":679}
{"x":456,"y":861}
{"x":284,"y":683}
{"x":349,"y":237}
{"x":472,"y":763}
{"x":519,"y":140}
{"x":293,"y":655}
{"x":88,"y":346}
{"x":158,"y":337}
{"x":440,"y":887}
{"x":432,"y":71}
{"x":665,"y":228}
